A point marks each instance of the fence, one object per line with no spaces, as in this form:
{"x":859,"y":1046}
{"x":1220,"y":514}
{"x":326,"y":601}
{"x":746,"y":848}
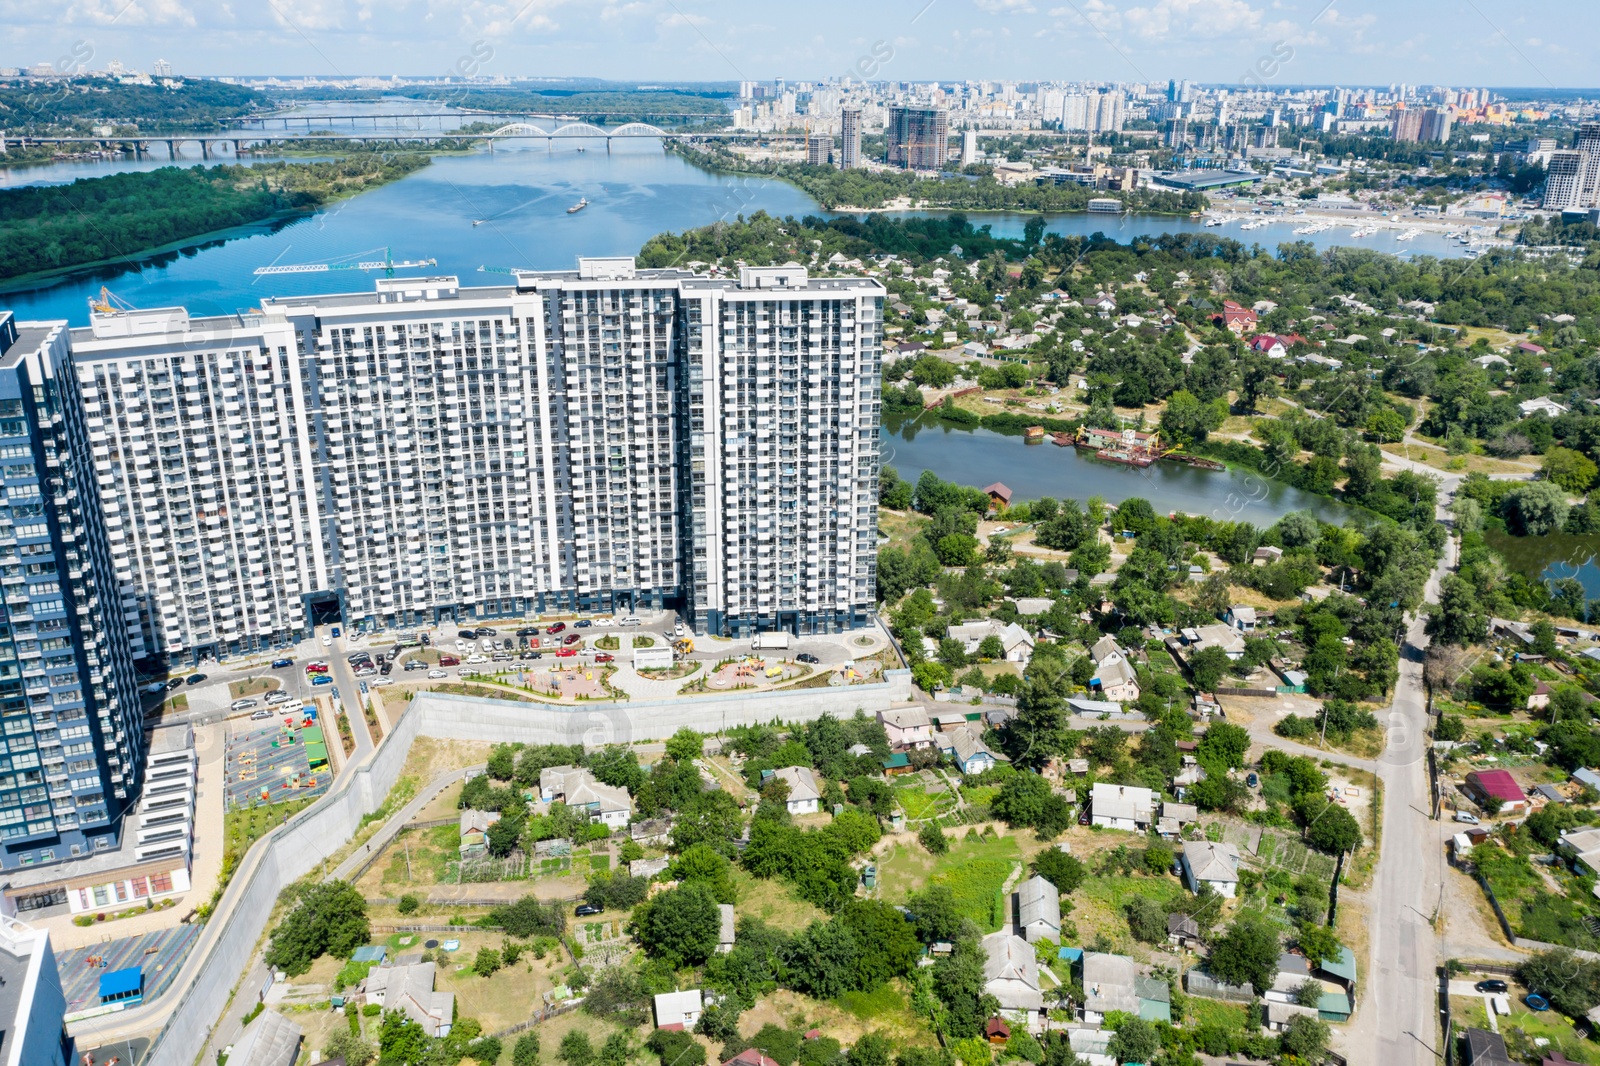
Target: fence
{"x":544,"y":1013}
{"x":1269,"y":693}
{"x":1523,"y":942}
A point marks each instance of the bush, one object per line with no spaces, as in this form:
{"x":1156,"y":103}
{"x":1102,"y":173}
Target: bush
{"x":486,"y":963}
{"x":371,"y":1010}
{"x":485,"y":1049}
{"x":329,"y":918}
{"x":409,"y":904}
{"x":933,"y":838}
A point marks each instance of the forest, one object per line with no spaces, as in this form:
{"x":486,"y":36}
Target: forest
{"x":844,"y":189}
{"x":56,"y":227}
{"x":78,"y":103}
{"x":658,"y":108}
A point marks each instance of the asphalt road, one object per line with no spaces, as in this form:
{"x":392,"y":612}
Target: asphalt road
{"x":1398,"y":1024}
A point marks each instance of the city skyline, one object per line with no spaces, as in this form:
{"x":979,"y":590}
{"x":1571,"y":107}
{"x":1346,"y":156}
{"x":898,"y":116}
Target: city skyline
{"x":1207,"y":41}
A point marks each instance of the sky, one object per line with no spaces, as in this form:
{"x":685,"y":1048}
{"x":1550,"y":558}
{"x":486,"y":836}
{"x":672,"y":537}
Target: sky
{"x":1534,"y":43}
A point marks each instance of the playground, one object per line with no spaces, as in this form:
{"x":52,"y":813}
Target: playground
{"x":285,"y":758}
{"x":570,"y":684}
{"x":160,"y":955}
{"x":752,"y":672}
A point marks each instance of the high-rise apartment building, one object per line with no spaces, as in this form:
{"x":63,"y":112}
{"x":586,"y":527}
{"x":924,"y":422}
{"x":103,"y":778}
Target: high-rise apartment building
{"x":849,"y":138}
{"x":819,"y":146}
{"x":73,"y":729}
{"x":1563,"y":180}
{"x":918,"y":138}
{"x":1588,"y":144}
{"x":1108,"y":112}
{"x":601,"y":439}
{"x":1075,"y":112}
{"x":1426,"y":125}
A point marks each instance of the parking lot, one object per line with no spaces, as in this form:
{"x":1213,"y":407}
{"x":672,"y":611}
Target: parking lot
{"x":270,"y":762}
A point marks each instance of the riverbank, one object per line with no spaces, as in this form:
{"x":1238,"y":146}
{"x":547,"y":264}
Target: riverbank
{"x":53,"y":231}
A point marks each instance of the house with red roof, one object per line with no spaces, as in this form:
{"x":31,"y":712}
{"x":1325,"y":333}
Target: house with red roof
{"x":1497,"y":785}
{"x":1235,"y":318}
{"x":750,"y":1057}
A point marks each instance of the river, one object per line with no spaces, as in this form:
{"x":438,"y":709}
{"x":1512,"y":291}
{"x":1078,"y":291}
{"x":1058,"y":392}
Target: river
{"x":523,"y":191}
{"x":981,"y":456}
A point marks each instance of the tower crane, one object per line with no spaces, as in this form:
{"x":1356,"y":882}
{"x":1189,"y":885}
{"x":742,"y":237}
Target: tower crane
{"x":388,"y":264}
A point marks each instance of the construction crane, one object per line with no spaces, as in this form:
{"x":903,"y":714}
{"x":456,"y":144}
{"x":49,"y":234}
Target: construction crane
{"x":387,"y":264}
{"x":513,"y":271}
{"x":109,"y":303}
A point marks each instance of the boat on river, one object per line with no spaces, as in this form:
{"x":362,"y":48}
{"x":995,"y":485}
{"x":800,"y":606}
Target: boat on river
{"x":579,"y":206}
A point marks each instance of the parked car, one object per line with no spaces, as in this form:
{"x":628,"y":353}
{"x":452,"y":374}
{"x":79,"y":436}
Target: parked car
{"x":565,"y":653}
{"x":416,"y":664}
{"x":385,"y":668}
{"x":586,"y":909}
{"x":484,"y":631}
{"x":278,"y":696}
{"x":807,"y":657}
{"x":437,"y":674}
{"x":449,"y":660}
{"x":278,"y":664}
{"x":1467,"y":817}
{"x":158,"y":686}
{"x":327,"y":641}
{"x":335,"y":630}
{"x":582,"y":623}
{"x":528,"y":631}
{"x":244,"y":705}
{"x":383,"y":681}
{"x":322,"y":679}
{"x":572,"y":638}
{"x":605,"y":657}
{"x":261,"y":715}
{"x":1495,"y":986}
{"x":537,"y":655}
{"x":466,"y":634}
{"x":604,"y":623}
{"x":631,"y":620}
{"x":556,"y":627}
{"x":176,"y":682}
{"x":194,"y":679}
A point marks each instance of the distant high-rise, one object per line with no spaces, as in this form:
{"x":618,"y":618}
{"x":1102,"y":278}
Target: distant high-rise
{"x":1589,"y":147}
{"x":1406,"y":125}
{"x":1075,"y":112}
{"x":849,"y":138}
{"x":1563,"y":180}
{"x":1435,"y":126}
{"x":919,"y":137}
{"x":818,"y":147}
{"x":969,"y":147}
{"x":1107,"y":116}
{"x":1426,"y":125}
{"x":162,"y":69}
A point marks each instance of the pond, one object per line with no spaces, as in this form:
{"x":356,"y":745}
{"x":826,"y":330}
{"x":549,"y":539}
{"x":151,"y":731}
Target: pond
{"x":976,"y":456}
{"x":1552,"y":557}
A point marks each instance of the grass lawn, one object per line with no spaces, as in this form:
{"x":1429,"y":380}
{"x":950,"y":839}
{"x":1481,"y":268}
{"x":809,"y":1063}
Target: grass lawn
{"x":847,"y":1020}
{"x":176,"y":703}
{"x":252,"y":685}
{"x":1098,"y":903}
{"x":1523,"y":1027}
{"x":899,"y":526}
{"x":1202,"y":1011}
{"x":973,"y":869}
{"x":917,"y":804}
{"x":770,"y":900}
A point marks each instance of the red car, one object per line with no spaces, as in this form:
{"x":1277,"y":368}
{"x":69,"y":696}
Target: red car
{"x":557,"y":628}
{"x":605,"y":657}
{"x":572,"y":638}
{"x":316,"y":668}
{"x":563,"y":653}
{"x":449,"y":660}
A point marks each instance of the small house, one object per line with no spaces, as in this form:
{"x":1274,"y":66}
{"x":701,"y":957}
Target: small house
{"x":999,"y":495}
{"x":1265,"y":554}
{"x":725,"y":931}
{"x":1182,"y":930}
{"x":1214,"y":864}
{"x":907,"y":727}
{"x":967,"y":750}
{"x":271,"y":1040}
{"x":1242,"y":618}
{"x":1011,"y":976}
{"x":475,"y":832}
{"x":679,"y":1010}
{"x":1491,"y":787}
{"x":1038,"y":909}
{"x":804,"y":795}
{"x":1121,"y":806}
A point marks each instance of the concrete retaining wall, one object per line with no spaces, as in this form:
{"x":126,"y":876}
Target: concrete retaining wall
{"x":284,"y":856}
{"x":298,"y":847}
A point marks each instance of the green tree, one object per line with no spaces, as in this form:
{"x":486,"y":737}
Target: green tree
{"x":676,"y":1048}
{"x":1186,"y":420}
{"x":576,"y":1050}
{"x":328,"y":918}
{"x":486,"y":962}
{"x":700,"y":864}
{"x":1534,"y":508}
{"x":872,"y":1049}
{"x":685,"y":745}
{"x":1306,"y":1039}
{"x":1571,"y":470}
{"x":711,"y":818}
{"x":680,"y":925}
{"x":1147,"y":919}
{"x":933,"y":838}
{"x":1569,"y":982}
{"x":525,"y":1052}
{"x":1064,"y":871}
{"x":1317,"y":941}
{"x":348,"y":1045}
{"x":1207,"y":667}
{"x":1135,"y":1040}
{"x":1329,"y":827}
{"x":1247,"y":953}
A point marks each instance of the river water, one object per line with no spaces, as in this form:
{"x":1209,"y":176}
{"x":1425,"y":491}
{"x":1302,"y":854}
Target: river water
{"x":522,"y":192}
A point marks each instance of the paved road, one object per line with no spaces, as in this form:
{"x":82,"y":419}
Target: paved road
{"x":1398,"y":1025}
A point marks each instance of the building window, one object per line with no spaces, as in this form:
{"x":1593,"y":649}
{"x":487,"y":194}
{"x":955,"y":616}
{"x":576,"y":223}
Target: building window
{"x":160,"y":883}
{"x":141,"y":887}
{"x":101,"y":896}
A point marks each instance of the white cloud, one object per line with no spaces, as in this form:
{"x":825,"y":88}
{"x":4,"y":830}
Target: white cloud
{"x":1005,"y":7}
